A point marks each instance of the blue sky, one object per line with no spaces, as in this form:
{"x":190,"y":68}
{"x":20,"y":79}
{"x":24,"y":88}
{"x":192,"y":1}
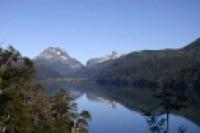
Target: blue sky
{"x":91,"y":28}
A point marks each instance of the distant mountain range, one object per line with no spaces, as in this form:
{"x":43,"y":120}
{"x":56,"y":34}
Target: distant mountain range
{"x":142,"y":68}
{"x":55,"y":62}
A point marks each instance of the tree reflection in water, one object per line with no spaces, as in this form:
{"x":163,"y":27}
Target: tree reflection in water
{"x":158,"y":119}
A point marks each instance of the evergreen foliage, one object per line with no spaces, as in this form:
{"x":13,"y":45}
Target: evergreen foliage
{"x":24,"y":106}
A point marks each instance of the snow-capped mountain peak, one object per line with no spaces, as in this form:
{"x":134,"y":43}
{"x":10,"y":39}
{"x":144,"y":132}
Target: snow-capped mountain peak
{"x":94,"y":61}
{"x":112,"y":56}
{"x":58,"y":60}
{"x":54,"y":53}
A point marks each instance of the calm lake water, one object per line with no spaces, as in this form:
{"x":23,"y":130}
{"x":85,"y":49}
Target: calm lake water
{"x":118,"y":112}
{"x":112,"y":117}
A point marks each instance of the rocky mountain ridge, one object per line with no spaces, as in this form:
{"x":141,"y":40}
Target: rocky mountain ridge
{"x":94,"y":61}
{"x":58,"y":60}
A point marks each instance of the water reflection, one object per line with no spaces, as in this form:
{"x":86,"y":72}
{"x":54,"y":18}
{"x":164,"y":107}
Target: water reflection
{"x":129,"y":110}
{"x":158,"y":121}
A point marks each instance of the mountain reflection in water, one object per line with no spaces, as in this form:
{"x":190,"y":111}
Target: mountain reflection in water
{"x":119,"y":110}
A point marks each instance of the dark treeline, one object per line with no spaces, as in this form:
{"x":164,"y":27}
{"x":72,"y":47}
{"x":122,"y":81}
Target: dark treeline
{"x":175,"y":69}
{"x":24,"y":106}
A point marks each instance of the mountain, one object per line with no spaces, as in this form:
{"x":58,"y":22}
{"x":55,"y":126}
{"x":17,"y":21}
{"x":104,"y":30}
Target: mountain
{"x":94,"y":61}
{"x":57,"y":60}
{"x":194,"y":45}
{"x":96,"y":65}
{"x":149,"y":67}
{"x":45,"y":72}
{"x":141,"y":68}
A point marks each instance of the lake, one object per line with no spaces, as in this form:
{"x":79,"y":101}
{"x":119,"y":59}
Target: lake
{"x":115,"y":111}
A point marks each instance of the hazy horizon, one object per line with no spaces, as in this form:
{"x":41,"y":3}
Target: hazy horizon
{"x":93,"y":28}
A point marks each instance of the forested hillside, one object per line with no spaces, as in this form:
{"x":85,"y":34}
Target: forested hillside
{"x":147,"y":68}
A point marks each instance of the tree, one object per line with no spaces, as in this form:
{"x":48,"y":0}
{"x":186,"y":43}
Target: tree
{"x":24,"y":106}
{"x":64,"y":109}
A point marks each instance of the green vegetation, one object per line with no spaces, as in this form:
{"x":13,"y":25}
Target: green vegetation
{"x":152,"y":68}
{"x":24,"y":106}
